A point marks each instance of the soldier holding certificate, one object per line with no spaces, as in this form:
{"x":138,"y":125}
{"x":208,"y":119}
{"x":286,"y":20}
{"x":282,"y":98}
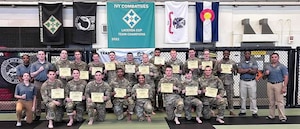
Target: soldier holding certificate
{"x":170,"y":87}
{"x":95,"y":65}
{"x":208,"y":61}
{"x":121,"y":95}
{"x":53,"y":94}
{"x":74,"y":95}
{"x":214,"y":91}
{"x":97,"y":92}
{"x":110,"y":67}
{"x":143,"y":106}
{"x":226,"y":69}
{"x":193,"y":63}
{"x":63,"y":67}
{"x":176,"y":64}
{"x":130,"y":67}
{"x":191,"y":92}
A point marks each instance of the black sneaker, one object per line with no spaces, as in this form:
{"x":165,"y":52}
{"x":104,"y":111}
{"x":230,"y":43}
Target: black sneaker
{"x":242,"y":114}
{"x":37,"y":118}
{"x":269,"y":118}
{"x":254,"y":115}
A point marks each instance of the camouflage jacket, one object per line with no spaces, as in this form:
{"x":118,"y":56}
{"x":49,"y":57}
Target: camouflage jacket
{"x":226,"y":78}
{"x":75,"y":86}
{"x":93,"y":86}
{"x":139,"y":86}
{"x":213,"y":82}
{"x":121,"y":83}
{"x":46,"y":88}
{"x":82,"y":66}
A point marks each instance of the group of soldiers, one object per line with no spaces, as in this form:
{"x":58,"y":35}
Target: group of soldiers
{"x":134,"y":86}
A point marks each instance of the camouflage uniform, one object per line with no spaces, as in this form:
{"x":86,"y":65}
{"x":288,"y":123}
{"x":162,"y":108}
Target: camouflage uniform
{"x":213,"y":82}
{"x":111,"y":74}
{"x":70,"y":106}
{"x":95,"y":64}
{"x":190,"y":101}
{"x":228,"y":81}
{"x":102,"y":87}
{"x":130,"y":76}
{"x":176,"y":62}
{"x":173,"y":101}
{"x":53,"y":112}
{"x":150,"y":80}
{"x":214,"y":66}
{"x":82,"y":66}
{"x":143,"y":106}
{"x":160,"y":71}
{"x":118,"y":103}
{"x":63,"y":64}
{"x":196,"y":72}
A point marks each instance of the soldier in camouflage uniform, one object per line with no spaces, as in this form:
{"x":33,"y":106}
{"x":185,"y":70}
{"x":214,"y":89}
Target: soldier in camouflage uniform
{"x":153,"y":74}
{"x":63,"y":62}
{"x":111,"y":74}
{"x":118,"y":103}
{"x":227,"y":78}
{"x":175,"y":61}
{"x":143,"y":106}
{"x":209,"y":80}
{"x":160,"y":70}
{"x":97,"y":108}
{"x":130,"y":76}
{"x":53,"y":105}
{"x":95,"y":63}
{"x":192,"y":57}
{"x":173,"y":101}
{"x":191,"y":100}
{"x":78,"y":63}
{"x":206,"y":57}
{"x":75,"y":85}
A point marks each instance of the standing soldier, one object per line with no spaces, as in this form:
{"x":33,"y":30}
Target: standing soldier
{"x":25,"y":92}
{"x":143,"y":106}
{"x":78,"y":63}
{"x":97,"y":108}
{"x":160,"y":71}
{"x":75,"y":85}
{"x":208,"y":60}
{"x":63,"y":62}
{"x":130,"y":76}
{"x":248,"y":69}
{"x":111,"y":72}
{"x":24,"y":67}
{"x":227,"y":77}
{"x":52,"y":103}
{"x":173,"y":101}
{"x":193,"y":63}
{"x":38,"y":71}
{"x":123,"y":84}
{"x":175,"y":62}
{"x":277,"y":75}
{"x":208,"y":80}
{"x":191,"y":100}
{"x":96,"y":63}
{"x":149,"y":77}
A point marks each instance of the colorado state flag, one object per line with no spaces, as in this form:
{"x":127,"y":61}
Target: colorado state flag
{"x":207,"y":21}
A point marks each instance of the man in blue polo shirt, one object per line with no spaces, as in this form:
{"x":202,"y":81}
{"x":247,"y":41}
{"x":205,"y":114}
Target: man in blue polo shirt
{"x":247,"y":70}
{"x":24,"y":67}
{"x":277,"y":75}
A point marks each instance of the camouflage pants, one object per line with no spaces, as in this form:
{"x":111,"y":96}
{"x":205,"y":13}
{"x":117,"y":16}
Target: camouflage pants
{"x":188,"y":103}
{"x":96,"y":110}
{"x":38,"y":103}
{"x":79,"y":108}
{"x":208,"y":102}
{"x":174,"y":108}
{"x":118,"y":107}
{"x":229,"y":96}
{"x":54,"y":112}
{"x":143,"y":108}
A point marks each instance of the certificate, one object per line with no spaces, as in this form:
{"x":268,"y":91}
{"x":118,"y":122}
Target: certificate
{"x":142,"y":93}
{"x":129,"y":68}
{"x":97,"y":97}
{"x":159,"y":60}
{"x":144,"y":69}
{"x":84,"y":75}
{"x":110,"y":66}
{"x":206,"y":63}
{"x":166,"y":88}
{"x":211,"y":92}
{"x":95,"y":69}
{"x":193,"y":64}
{"x":226,"y":68}
{"x":120,"y":92}
{"x":191,"y":90}
{"x":176,"y":68}
{"x":76,"y":96}
{"x":64,"y":72}
{"x":57,"y":93}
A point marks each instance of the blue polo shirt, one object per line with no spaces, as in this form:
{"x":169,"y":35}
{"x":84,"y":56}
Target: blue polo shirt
{"x":21,"y":69}
{"x":30,"y":91}
{"x":245,"y":65}
{"x":277,"y":73}
{"x":42,"y":76}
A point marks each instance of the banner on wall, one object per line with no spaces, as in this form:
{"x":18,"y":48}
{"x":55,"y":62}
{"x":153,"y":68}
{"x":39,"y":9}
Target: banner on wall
{"x":51,"y":23}
{"x":121,"y":54}
{"x":207,"y":21}
{"x":84,"y":24}
{"x":130,"y":24}
{"x":176,"y":15}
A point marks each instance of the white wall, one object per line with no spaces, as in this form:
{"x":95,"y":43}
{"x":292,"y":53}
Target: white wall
{"x":283,"y":20}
